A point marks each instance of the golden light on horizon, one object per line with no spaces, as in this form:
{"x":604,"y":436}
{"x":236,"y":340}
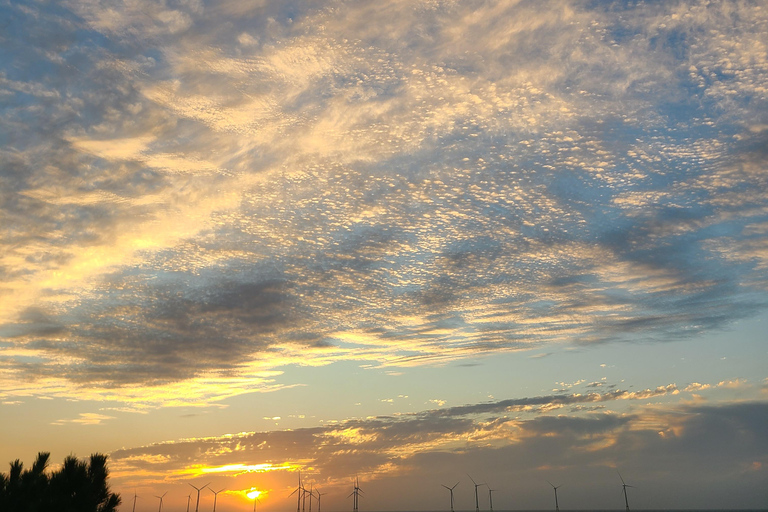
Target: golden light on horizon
{"x":241,"y":468}
{"x":253,"y":493}
{"x":238,"y":469}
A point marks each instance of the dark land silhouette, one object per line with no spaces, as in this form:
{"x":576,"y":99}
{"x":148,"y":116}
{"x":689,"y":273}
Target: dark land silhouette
{"x":78,"y":486}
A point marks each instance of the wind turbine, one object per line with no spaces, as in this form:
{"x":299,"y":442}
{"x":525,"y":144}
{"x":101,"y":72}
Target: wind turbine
{"x":624,"y":490}
{"x":356,"y":493}
{"x":318,"y":498}
{"x":490,"y":497}
{"x":161,"y":501}
{"x":197,"y":503}
{"x":135,"y":497}
{"x":451,"y":491}
{"x":298,"y":498}
{"x":311,"y":495}
{"x":215,"y":496}
{"x":557,"y":506}
{"x":477,"y":500}
{"x":189,"y":498}
{"x":304,"y":499}
{"x":255,"y":499}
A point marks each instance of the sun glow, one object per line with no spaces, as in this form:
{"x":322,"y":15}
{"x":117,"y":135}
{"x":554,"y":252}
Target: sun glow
{"x":253,"y":493}
{"x":238,"y":469}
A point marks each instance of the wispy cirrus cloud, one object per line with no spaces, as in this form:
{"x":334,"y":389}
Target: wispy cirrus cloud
{"x":196,"y":194}
{"x":87,"y":418}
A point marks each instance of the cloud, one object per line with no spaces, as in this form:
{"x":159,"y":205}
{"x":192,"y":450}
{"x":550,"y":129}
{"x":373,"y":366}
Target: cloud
{"x":526,"y":449}
{"x":86,"y":418}
{"x":197,"y":196}
{"x":427,"y":426}
{"x":696,"y":386}
{"x":732,"y":384}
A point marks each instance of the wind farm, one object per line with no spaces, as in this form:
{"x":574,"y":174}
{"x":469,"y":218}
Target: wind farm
{"x":313,"y":493}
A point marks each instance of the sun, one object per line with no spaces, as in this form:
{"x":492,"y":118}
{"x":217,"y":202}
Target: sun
{"x":253,"y":493}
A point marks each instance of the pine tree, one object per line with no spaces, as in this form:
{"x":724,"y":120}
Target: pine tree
{"x":79,"y":486}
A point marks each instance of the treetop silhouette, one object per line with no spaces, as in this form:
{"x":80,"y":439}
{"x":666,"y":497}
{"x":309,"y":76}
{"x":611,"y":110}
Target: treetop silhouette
{"x":78,"y":486}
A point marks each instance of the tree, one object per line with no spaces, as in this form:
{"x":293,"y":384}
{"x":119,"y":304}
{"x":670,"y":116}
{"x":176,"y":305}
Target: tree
{"x":79,"y":486}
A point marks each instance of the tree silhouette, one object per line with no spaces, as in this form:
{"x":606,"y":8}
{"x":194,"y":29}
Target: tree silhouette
{"x":79,"y":486}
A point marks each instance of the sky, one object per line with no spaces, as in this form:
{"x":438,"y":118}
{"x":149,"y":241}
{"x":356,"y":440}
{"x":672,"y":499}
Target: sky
{"x":412,"y":242}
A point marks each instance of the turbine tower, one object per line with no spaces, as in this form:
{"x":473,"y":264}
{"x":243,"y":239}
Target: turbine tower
{"x":451,"y":491}
{"x":215,"y":495}
{"x":356,"y":495}
{"x":161,"y":501}
{"x":300,"y":491}
{"x":624,"y":491}
{"x":477,"y":500}
{"x":557,"y":506}
{"x":197,"y":503}
{"x":490,"y":497}
{"x":135,"y":497}
{"x":318,"y":498}
{"x":189,"y":498}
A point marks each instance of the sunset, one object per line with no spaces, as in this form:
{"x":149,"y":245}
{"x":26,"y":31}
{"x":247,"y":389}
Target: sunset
{"x":406,"y":255}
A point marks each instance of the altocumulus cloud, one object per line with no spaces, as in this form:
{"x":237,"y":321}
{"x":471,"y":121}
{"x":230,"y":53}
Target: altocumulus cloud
{"x":194,"y":193}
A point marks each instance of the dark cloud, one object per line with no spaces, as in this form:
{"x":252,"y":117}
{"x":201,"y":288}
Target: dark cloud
{"x":34,"y":322}
{"x":570,"y":426}
{"x":177,"y":337}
